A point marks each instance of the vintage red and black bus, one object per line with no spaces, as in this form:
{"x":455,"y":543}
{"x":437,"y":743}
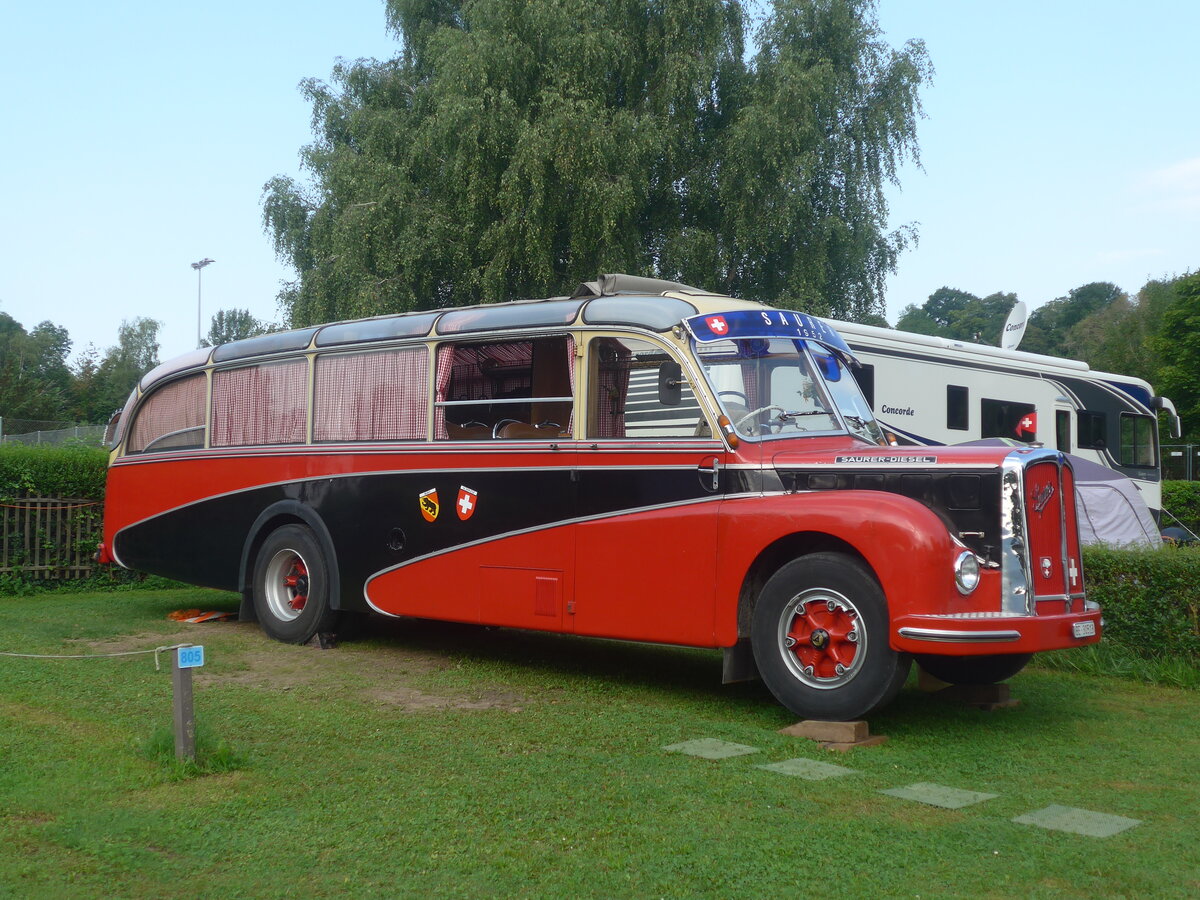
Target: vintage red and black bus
{"x":641,"y":460}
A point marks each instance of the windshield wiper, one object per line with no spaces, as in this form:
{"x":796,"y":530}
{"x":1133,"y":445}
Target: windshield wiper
{"x":795,"y":414}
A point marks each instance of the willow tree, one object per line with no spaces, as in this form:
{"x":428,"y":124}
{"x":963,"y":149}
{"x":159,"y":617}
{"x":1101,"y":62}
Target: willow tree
{"x":516,"y":147}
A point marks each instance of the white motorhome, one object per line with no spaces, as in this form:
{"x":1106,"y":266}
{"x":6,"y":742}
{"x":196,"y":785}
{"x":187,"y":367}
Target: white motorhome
{"x":932,"y":390}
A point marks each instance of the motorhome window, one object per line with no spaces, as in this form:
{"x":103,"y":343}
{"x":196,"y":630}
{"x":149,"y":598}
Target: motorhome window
{"x":865,"y":376}
{"x":1137,"y":440}
{"x":1008,"y":419}
{"x":381,"y":395}
{"x":638,"y":390}
{"x":1090,"y":431}
{"x":512,"y":390}
{"x":958,"y":413}
{"x":262,"y":404}
{"x":172,"y":418}
{"x":1062,"y":430}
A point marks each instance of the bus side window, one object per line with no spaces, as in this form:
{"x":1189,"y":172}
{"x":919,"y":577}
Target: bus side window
{"x":514,"y":390}
{"x":381,"y":395}
{"x":624,"y":400}
{"x":1090,"y":428}
{"x":957,"y":408}
{"x":172,"y":418}
{"x":260,"y":404}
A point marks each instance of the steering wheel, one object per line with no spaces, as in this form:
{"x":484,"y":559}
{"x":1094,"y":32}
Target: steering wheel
{"x":755,"y":412}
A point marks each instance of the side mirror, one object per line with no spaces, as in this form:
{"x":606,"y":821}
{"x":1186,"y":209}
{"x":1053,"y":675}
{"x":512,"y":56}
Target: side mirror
{"x":670,"y":384}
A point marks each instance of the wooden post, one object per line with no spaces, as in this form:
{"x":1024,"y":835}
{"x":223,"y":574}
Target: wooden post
{"x":185,"y":716}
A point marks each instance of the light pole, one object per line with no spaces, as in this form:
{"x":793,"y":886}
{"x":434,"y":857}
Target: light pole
{"x":199,"y":266}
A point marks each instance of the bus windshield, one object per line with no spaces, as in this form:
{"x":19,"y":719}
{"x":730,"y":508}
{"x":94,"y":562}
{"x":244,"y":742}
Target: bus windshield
{"x":773,"y":387}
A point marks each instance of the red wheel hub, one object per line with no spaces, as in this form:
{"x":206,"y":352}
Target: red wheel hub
{"x":824,"y":639}
{"x":296,"y":581}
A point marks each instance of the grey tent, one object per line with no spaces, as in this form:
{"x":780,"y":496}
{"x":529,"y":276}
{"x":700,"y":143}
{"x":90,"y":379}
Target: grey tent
{"x":1110,"y":507}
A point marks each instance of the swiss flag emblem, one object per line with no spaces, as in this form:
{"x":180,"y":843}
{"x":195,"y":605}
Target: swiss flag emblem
{"x":717,"y":324}
{"x":465,"y":505}
{"x":1028,"y":424}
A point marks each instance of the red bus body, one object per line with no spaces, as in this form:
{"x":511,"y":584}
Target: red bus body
{"x":864,"y":554}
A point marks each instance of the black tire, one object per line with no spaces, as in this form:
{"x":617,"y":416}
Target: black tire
{"x":846,"y":671}
{"x":291,"y":586}
{"x":974,"y":669}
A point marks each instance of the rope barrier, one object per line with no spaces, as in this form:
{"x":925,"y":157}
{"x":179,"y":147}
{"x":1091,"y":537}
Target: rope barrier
{"x":155,"y":651}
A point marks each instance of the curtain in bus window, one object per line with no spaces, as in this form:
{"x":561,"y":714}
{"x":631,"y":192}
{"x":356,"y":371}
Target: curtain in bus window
{"x":607,"y":417}
{"x":260,"y":404}
{"x":374,"y":396}
{"x":445,"y":364}
{"x":172,"y":418}
{"x":571,"y":379}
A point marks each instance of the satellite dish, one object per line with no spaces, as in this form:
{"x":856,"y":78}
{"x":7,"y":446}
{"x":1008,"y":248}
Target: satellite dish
{"x":1014,"y":326}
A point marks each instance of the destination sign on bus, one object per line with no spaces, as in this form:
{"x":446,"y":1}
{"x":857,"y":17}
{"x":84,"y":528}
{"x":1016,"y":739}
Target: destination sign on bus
{"x":764,"y":323}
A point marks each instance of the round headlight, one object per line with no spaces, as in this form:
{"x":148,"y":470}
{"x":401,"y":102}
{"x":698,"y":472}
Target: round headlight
{"x":966,"y":572}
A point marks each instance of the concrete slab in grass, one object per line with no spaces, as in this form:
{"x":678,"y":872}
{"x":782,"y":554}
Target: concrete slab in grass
{"x":939,"y":795}
{"x":808,"y":769}
{"x":711,"y":748}
{"x":1077,"y":821}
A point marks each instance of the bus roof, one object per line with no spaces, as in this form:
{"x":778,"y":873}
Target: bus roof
{"x":617,"y":300}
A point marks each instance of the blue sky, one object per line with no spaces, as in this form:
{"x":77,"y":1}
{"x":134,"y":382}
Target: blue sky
{"x":1062,"y":146}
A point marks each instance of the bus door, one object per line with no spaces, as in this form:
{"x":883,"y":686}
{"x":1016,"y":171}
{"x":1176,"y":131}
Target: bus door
{"x":650,"y":477}
{"x":497,"y":543}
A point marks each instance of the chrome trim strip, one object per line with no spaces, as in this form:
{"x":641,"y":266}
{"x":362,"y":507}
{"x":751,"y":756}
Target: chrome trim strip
{"x":1014,"y":567}
{"x":937,"y":635}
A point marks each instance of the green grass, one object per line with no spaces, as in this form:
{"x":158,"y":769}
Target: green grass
{"x":432,"y":759}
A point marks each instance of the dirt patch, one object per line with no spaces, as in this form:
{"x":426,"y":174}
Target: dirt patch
{"x":145,"y":641}
{"x":249,"y":659}
{"x":412,"y":700}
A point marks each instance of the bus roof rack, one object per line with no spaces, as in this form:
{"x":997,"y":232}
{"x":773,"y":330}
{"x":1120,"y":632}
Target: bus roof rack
{"x":610,"y":285}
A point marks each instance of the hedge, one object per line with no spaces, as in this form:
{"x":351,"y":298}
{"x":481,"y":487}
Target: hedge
{"x":1182,"y":500}
{"x":76,"y":472}
{"x":63,"y":471}
{"x":1150,"y":598}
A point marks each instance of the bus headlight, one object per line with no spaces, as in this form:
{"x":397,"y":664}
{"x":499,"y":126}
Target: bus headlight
{"x":966,"y":572}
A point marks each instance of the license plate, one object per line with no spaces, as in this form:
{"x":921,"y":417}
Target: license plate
{"x":1083,"y":629}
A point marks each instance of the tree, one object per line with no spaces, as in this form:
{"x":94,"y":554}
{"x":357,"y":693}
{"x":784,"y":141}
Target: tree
{"x":135,"y":353}
{"x":1050,"y":324}
{"x":34,"y":379}
{"x":1178,"y":345}
{"x":959,"y":315}
{"x":517,"y":147}
{"x":233,"y":325}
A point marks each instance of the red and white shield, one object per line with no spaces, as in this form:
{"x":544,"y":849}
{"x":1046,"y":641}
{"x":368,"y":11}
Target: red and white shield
{"x":717,"y":324}
{"x":465,"y":505}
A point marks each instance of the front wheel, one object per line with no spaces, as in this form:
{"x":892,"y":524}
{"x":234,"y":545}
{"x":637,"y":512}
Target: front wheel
{"x":291,"y":586}
{"x":974,"y":669}
{"x":820,"y":639}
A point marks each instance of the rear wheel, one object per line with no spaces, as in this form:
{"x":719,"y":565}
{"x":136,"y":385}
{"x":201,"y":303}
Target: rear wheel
{"x":974,"y":669}
{"x":820,"y":638}
{"x":291,"y":586}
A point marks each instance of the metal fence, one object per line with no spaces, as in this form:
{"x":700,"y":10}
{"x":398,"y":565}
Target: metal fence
{"x":49,"y":537}
{"x":1181,"y":462}
{"x":92,"y":435}
{"x":44,"y":431}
